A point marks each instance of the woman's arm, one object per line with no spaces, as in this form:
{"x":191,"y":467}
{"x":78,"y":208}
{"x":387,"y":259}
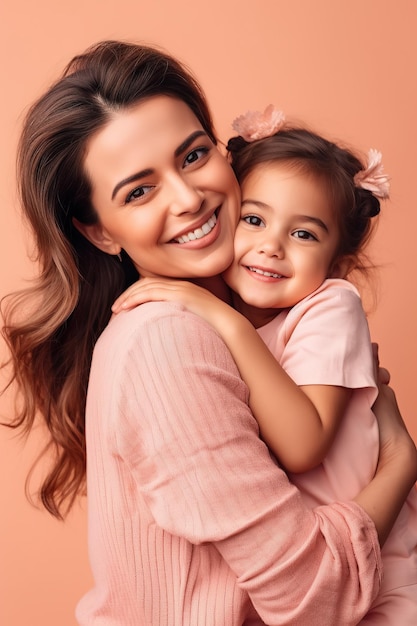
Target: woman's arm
{"x":207,"y":477}
{"x":395,"y":445}
{"x":301,"y":432}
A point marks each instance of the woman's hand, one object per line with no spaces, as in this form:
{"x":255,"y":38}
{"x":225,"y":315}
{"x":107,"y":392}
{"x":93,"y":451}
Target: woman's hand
{"x":395,"y":441}
{"x":382,"y":375}
{"x":397,"y":464}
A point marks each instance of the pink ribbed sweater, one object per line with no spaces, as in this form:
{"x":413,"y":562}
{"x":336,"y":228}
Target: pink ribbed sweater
{"x":190,"y":521}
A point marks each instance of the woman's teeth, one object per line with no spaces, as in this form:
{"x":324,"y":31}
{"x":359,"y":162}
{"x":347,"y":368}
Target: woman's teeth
{"x":198,"y":232}
{"x":269,"y":274}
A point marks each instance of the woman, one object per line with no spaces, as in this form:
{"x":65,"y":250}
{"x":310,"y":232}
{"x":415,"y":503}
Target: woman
{"x":190,"y":521}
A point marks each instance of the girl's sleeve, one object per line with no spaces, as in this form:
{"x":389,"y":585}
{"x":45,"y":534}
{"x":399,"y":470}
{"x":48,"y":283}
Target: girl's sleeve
{"x":190,"y":439}
{"x":327,"y":340}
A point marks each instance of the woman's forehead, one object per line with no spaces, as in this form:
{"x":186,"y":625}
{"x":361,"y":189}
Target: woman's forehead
{"x":147,"y":132}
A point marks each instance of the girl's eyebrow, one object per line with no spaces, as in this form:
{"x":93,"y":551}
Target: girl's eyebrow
{"x":257,"y":203}
{"x":314,"y":220}
{"x":143,"y":173}
{"x":304,"y":218}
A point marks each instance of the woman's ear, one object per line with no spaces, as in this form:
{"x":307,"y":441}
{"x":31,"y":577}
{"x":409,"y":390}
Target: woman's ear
{"x":98,"y":236}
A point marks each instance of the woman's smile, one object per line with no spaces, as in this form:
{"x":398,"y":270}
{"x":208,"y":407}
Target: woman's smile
{"x":198,"y":233}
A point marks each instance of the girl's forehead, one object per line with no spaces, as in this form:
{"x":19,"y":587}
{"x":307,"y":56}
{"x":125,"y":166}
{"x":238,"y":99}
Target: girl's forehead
{"x":278,"y":171}
{"x":281,"y":187}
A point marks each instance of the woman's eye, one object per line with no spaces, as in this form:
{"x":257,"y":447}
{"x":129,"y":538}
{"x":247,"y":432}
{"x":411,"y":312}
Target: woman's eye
{"x":195,"y":155}
{"x":138,"y":193}
{"x":252,"y":220}
{"x":304,"y":234}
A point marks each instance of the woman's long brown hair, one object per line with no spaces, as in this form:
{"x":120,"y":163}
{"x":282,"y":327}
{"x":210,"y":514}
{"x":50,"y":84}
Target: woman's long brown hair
{"x":51,"y":327}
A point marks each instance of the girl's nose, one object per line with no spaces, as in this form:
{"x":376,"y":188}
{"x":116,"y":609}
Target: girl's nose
{"x":272,"y":247}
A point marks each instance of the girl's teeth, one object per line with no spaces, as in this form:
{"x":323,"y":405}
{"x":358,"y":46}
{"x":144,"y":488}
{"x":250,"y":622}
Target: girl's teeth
{"x":198,"y":232}
{"x":268,"y":274}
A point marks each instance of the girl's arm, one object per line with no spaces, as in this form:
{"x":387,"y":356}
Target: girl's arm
{"x":301,"y":432}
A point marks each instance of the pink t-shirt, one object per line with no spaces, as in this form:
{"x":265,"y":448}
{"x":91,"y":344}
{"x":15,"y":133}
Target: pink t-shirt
{"x":324,"y":340}
{"x":190,"y":521}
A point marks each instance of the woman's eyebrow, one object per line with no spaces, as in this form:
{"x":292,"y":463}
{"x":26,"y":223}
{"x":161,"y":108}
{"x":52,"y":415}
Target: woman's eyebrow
{"x":181,"y":148}
{"x":187,"y":142}
{"x":131,"y":179}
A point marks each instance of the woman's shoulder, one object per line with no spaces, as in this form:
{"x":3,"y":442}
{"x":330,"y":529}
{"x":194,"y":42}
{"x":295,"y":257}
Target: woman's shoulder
{"x":150,"y":322}
{"x":158,"y":337}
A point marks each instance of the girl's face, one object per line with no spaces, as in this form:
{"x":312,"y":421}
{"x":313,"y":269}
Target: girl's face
{"x":285,"y":242}
{"x":162,"y":191}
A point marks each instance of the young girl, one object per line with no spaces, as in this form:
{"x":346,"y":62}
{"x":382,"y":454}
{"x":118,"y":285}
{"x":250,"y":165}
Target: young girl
{"x":306,"y":216}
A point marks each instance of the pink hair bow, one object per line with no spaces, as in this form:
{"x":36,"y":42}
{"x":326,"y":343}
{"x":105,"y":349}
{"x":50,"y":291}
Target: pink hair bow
{"x":255,"y":125}
{"x":373,"y":177}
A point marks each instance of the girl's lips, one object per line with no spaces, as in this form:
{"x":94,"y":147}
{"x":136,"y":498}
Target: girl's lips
{"x":263,"y":272}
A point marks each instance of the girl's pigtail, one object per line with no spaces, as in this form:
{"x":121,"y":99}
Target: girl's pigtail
{"x":367,"y":204}
{"x":236,"y":144}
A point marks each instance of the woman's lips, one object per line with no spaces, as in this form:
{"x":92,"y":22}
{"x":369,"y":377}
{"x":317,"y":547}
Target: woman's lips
{"x":198,"y":233}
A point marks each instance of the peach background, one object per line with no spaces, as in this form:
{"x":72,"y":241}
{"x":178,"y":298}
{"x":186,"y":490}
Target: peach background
{"x":346,"y":68}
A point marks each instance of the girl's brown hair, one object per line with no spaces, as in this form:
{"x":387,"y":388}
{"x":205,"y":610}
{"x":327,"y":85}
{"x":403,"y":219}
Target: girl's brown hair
{"x":70,"y":301}
{"x":330,"y":164}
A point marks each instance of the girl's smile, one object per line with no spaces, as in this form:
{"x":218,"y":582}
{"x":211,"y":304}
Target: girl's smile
{"x":285,"y":242}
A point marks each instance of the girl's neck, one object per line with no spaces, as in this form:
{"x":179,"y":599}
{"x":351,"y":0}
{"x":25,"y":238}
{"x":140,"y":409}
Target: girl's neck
{"x":257,"y":317}
{"x":217,"y":286}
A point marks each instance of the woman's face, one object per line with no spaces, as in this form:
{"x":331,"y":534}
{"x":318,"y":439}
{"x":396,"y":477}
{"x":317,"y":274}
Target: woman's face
{"x":162,"y":191}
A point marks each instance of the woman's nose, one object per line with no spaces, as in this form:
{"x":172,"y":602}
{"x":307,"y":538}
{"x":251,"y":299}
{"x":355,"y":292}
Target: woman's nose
{"x":185,"y":197}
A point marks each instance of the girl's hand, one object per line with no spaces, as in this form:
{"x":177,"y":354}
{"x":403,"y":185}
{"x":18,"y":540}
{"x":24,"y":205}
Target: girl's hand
{"x":196,"y":299}
{"x":147,"y":290}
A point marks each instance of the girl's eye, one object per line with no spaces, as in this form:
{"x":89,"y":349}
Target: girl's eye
{"x":252,"y":220}
{"x":195,"y":155}
{"x":305,"y":235}
{"x":138,"y":193}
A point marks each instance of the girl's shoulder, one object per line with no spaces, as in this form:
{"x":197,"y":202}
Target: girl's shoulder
{"x":334,"y":293}
{"x":335,"y":304}
{"x":332,"y":287}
